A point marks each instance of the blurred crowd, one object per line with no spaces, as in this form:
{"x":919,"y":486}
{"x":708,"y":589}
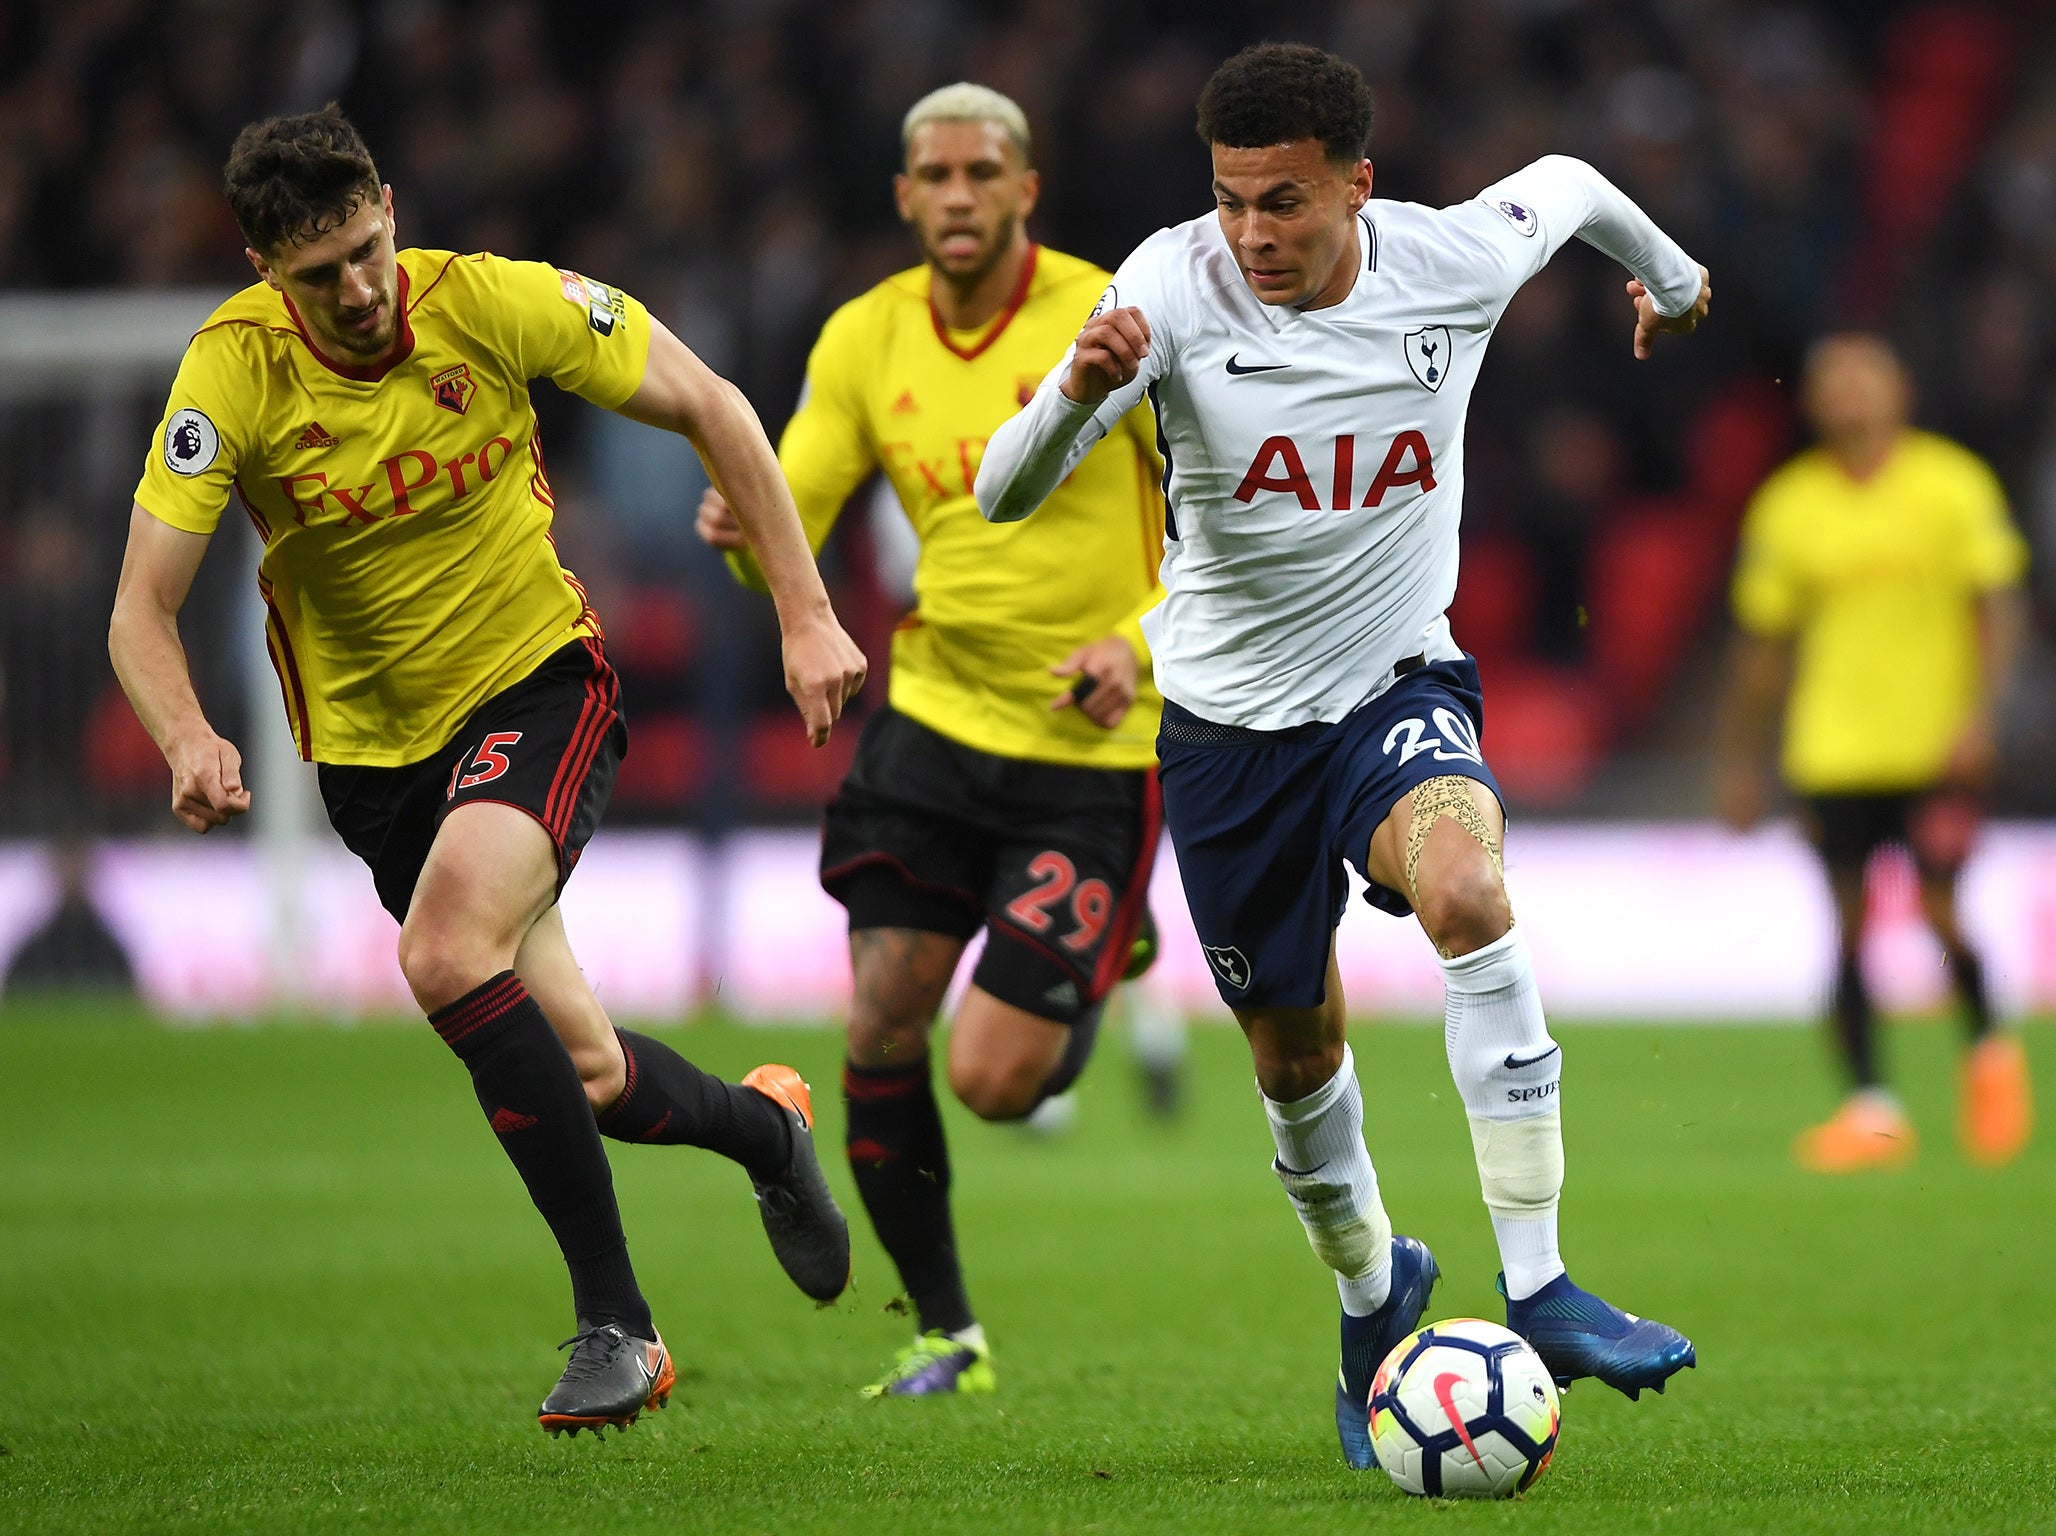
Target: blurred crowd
{"x":1843,"y":162}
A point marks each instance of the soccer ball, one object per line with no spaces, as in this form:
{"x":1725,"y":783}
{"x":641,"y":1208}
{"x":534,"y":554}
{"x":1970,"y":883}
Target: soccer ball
{"x":1463,"y":1409}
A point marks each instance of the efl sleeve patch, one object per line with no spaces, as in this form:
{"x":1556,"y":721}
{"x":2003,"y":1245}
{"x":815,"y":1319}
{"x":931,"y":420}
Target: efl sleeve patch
{"x":191,"y":444}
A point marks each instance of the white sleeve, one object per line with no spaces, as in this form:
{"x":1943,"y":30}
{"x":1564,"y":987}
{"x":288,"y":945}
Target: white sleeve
{"x":1032,"y":453}
{"x":1530,"y":214}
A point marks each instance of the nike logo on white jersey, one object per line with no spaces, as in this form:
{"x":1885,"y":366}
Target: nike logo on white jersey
{"x":1237,"y":367}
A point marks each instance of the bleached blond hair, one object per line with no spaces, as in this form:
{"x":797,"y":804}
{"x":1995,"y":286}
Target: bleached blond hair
{"x":965,"y":102}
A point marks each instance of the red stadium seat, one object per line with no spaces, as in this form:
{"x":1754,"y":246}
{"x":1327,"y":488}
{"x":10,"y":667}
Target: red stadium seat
{"x":1654,"y":579}
{"x":655,"y":633}
{"x":665,"y":766}
{"x":1943,"y":83}
{"x":122,"y":762}
{"x":1736,"y":438}
{"x":783,"y":771}
{"x":1495,"y":600}
{"x":1544,"y":731}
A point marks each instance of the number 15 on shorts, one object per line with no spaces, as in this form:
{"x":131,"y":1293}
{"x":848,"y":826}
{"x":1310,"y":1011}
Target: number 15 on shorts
{"x":484,"y":765}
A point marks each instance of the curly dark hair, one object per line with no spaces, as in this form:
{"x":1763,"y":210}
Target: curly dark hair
{"x":291,"y":179}
{"x":1277,"y":93}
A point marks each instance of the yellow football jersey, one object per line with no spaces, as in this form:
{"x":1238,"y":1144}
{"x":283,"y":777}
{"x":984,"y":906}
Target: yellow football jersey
{"x":1877,"y":582}
{"x":408,"y":572}
{"x":889,"y":388}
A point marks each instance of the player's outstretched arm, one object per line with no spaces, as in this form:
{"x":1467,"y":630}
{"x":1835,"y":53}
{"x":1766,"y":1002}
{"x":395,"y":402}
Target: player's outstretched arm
{"x":1649,"y":319}
{"x":823,"y":667}
{"x":1560,"y":197}
{"x":1030,"y":454}
{"x":142,"y":638}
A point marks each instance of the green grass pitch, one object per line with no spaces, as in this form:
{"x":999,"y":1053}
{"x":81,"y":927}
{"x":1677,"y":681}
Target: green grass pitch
{"x":279,"y":1279}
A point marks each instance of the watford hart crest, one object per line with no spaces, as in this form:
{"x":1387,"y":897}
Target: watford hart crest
{"x":454,"y":389}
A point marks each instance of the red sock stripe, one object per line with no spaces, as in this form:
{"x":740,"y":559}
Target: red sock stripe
{"x":872,"y":1087}
{"x":476,"y":1009}
{"x":627,"y":1083}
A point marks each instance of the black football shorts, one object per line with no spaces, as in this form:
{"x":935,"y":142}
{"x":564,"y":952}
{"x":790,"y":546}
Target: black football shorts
{"x":549,"y":745}
{"x":1936,"y":824}
{"x":1051,"y":860}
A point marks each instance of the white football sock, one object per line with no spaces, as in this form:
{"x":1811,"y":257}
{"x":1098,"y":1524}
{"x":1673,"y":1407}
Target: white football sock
{"x":1156,"y":1030}
{"x":1508,"y":1072}
{"x":1328,"y":1176}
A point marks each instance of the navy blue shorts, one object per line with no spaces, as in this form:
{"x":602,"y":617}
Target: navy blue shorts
{"x":1264,"y":822}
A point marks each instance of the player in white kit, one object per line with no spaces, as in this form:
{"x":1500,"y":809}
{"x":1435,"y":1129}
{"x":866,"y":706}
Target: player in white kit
{"x":1310,"y":354}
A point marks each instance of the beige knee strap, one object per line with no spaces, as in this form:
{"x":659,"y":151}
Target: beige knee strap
{"x":1434,"y":799}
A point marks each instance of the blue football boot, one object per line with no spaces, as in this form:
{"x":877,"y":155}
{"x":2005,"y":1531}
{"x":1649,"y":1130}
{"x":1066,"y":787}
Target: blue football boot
{"x":1366,"y":1341}
{"x":1577,"y":1334}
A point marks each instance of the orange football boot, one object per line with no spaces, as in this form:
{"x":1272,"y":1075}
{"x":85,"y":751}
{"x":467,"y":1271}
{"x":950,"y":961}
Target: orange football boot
{"x":1868,"y":1131}
{"x":809,"y":1234}
{"x":1998,"y":1110}
{"x":782,"y":1085}
{"x":613,"y":1378}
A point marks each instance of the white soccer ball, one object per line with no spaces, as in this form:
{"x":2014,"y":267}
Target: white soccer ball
{"x":1464,"y":1409}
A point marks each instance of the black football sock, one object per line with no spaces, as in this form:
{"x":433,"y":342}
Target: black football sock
{"x":1968,"y":972}
{"x":530,"y":1092}
{"x":901,"y":1163}
{"x":669,"y":1101}
{"x":1855,"y":1024}
{"x":1077,"y":1051}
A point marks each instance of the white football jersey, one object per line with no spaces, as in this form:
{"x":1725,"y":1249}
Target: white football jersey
{"x":1316,"y":456}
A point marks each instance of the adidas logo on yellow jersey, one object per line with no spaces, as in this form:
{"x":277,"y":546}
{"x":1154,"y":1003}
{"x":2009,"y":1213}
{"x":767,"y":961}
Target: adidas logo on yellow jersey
{"x":316,"y":436}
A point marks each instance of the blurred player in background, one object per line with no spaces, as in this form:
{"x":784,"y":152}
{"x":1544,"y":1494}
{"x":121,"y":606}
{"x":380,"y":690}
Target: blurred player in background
{"x":369,"y":408}
{"x":1880,"y":579}
{"x":1311,"y":354}
{"x":1009,"y":785}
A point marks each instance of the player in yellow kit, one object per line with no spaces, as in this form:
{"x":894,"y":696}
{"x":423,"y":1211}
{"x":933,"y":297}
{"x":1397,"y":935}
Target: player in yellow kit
{"x":368,"y":409}
{"x":1010,"y":785}
{"x":1879,"y":575}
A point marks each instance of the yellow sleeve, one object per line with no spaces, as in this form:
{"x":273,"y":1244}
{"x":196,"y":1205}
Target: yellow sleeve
{"x":1130,"y":627}
{"x":1994,"y":553}
{"x":824,"y":451}
{"x":1141,"y":424}
{"x":192,"y":463}
{"x":1767,"y":593}
{"x":583,"y":336}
